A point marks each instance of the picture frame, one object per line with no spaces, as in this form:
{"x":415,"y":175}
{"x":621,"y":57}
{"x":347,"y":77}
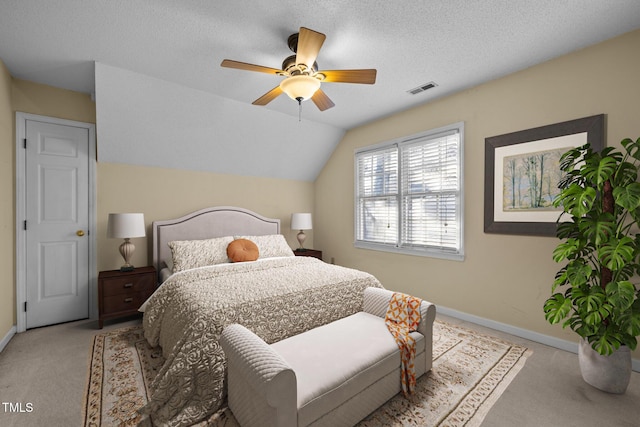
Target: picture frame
{"x":522,"y":171}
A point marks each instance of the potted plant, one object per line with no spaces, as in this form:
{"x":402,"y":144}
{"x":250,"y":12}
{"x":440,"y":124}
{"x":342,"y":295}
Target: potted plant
{"x":600,"y":250}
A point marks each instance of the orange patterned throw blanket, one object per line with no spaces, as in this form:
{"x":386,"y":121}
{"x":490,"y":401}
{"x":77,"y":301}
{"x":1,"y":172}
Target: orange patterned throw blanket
{"x":403,"y":317}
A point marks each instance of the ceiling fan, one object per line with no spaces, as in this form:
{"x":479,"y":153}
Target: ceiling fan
{"x":302,"y":78}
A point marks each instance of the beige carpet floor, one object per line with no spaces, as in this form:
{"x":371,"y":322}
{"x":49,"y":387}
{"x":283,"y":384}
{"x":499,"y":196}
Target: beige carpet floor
{"x":47,"y":367}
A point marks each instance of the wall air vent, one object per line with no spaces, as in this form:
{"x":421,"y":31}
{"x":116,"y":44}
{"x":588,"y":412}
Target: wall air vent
{"x":422,"y":88}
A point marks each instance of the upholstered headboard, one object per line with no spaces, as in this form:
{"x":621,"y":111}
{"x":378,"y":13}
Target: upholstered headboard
{"x":206,"y":224}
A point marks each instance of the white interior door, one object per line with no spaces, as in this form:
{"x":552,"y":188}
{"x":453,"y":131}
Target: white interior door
{"x":57,"y":223}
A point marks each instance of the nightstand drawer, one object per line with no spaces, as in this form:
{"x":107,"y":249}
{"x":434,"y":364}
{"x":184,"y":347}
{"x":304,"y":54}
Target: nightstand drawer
{"x":127,"y":284}
{"x":124,"y":302}
{"x":121,"y":293}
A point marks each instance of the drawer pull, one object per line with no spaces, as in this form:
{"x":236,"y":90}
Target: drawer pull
{"x":128,"y":299}
{"x":128,"y":285}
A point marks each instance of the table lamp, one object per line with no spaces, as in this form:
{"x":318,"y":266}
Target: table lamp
{"x":126,"y":226}
{"x":301,"y":221}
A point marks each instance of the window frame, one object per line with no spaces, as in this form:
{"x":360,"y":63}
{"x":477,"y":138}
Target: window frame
{"x":397,"y":247}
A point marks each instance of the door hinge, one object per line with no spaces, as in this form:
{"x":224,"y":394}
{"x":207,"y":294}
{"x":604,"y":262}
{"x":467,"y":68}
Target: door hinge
{"x":24,"y":143}
{"x":25,"y":224}
{"x":25,"y":306}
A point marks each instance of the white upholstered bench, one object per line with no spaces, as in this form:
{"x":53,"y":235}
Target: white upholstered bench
{"x":333,"y":375}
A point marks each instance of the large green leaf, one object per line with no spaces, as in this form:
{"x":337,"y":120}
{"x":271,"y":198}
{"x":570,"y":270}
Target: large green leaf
{"x":598,"y":228}
{"x":580,"y":327}
{"x":632,"y":147}
{"x":628,"y":197}
{"x":597,"y":171}
{"x":567,"y":229}
{"x":556,"y":308}
{"x":576,"y":200}
{"x":625,"y":175}
{"x":627,"y":271}
{"x":560,"y":279}
{"x":617,"y":253}
{"x":571,"y":177}
{"x":590,"y":302}
{"x":584,"y":202}
{"x":578,"y":272}
{"x":635,"y":215}
{"x":631,"y":342}
{"x":566,"y":250}
{"x":621,"y":294}
{"x":571,"y":158}
{"x":630,"y":324}
{"x":606,"y":344}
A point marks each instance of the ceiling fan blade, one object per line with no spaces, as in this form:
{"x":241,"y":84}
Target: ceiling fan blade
{"x":350,"y":76}
{"x":309,"y":44}
{"x":268,"y":97}
{"x":321,"y":100}
{"x":249,"y":67}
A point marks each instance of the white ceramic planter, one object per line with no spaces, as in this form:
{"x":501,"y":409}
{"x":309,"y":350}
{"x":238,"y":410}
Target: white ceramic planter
{"x":607,"y":373}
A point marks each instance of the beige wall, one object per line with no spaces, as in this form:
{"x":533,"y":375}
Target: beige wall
{"x":7,"y":221}
{"x":504,"y":278}
{"x":35,"y":98}
{"x":162,"y":193}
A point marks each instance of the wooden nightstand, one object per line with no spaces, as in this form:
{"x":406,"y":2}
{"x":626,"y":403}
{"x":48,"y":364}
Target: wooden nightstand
{"x":309,"y":252}
{"x":121,"y":293}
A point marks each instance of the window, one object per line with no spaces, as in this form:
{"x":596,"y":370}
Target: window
{"x":409,"y":194}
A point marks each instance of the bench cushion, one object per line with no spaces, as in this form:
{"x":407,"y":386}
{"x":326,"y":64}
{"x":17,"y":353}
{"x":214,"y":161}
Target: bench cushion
{"x":336,"y":361}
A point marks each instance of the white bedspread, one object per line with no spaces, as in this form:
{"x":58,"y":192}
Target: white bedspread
{"x":275,"y":298}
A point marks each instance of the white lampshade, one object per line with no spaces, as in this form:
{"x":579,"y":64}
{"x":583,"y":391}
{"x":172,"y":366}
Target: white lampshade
{"x":125,"y":225}
{"x":300,"y":87}
{"x":301,"y":221}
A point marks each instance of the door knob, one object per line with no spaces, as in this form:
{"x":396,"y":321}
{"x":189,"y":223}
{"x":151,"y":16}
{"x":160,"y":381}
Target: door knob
{"x":80,"y":233}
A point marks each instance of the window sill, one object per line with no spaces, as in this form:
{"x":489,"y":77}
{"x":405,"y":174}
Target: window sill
{"x":409,"y":251}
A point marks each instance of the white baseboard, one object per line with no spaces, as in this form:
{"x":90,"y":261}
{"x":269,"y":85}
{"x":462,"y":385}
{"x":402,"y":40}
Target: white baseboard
{"x":5,"y":340}
{"x":520,"y":332}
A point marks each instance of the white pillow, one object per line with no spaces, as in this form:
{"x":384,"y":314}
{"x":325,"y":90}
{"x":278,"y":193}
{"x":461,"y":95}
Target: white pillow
{"x":271,"y":245}
{"x":189,"y":254}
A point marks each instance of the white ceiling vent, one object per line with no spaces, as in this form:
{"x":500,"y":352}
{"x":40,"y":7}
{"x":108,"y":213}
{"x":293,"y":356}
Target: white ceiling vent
{"x":422,"y":88}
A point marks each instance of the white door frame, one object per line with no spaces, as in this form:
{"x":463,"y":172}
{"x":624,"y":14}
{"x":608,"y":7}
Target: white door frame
{"x":21,"y":247}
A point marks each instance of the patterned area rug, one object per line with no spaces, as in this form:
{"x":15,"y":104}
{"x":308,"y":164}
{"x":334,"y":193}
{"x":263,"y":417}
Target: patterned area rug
{"x":470,"y":371}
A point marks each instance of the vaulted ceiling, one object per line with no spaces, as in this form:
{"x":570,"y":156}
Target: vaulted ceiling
{"x":457,"y":44}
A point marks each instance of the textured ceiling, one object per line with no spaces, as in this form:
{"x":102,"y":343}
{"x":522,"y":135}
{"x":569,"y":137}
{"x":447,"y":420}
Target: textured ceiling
{"x":456,"y":43}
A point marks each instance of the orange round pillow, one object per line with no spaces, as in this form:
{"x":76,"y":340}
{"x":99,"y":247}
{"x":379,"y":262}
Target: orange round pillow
{"x":241,"y":250}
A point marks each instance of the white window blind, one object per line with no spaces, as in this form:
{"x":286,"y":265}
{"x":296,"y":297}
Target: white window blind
{"x":409,"y":194}
{"x":378,"y":201}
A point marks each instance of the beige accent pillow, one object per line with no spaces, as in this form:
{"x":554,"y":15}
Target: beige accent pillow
{"x":271,"y":245}
{"x":242,"y":250}
{"x":189,"y":254}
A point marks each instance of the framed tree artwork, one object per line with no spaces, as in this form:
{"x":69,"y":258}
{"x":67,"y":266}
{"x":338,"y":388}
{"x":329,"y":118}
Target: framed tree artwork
{"x":522,"y":171}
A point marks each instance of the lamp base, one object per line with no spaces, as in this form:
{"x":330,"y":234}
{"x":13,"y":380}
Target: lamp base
{"x":126,"y":250}
{"x":301,"y":238}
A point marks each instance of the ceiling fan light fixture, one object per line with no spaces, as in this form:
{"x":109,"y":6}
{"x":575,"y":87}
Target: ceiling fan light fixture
{"x":300,"y":87}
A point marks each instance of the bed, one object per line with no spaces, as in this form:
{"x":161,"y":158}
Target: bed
{"x":276,"y":296}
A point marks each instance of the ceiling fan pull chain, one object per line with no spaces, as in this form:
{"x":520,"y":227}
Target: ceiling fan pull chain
{"x":299,"y":109}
